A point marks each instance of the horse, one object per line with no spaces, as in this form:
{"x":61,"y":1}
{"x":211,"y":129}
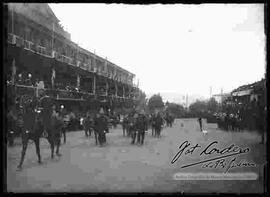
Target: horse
{"x":35,"y":122}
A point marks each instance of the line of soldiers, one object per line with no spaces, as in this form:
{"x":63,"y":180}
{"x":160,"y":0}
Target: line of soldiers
{"x":230,"y":122}
{"x":234,"y":122}
{"x":137,"y":123}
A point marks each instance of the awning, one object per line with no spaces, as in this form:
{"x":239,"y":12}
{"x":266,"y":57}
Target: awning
{"x":242,"y":93}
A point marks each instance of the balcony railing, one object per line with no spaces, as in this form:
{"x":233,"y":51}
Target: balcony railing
{"x":41,"y":50}
{"x":28,"y":45}
{"x":67,"y":94}
{"x":66,"y":59}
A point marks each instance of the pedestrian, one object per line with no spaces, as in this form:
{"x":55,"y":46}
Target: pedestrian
{"x":125,"y":125}
{"x":141,"y":125}
{"x":158,"y":122}
{"x":101,"y":127}
{"x":200,"y":123}
{"x":132,"y":127}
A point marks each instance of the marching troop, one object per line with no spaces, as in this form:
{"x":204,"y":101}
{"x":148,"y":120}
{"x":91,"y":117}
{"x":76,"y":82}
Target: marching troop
{"x":39,"y":118}
{"x":134,"y":124}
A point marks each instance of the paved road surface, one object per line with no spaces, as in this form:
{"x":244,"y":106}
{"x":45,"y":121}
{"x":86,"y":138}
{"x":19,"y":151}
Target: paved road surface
{"x":122,"y":167}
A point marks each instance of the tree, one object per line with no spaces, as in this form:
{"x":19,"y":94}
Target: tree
{"x":175,"y":109}
{"x":212,"y":105}
{"x":198,"y":108}
{"x":155,"y":102}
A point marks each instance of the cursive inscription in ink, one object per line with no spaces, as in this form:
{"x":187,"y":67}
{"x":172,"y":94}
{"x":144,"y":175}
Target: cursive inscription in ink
{"x":186,"y":148}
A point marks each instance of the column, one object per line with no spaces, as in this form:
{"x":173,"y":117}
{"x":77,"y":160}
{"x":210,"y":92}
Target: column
{"x":94,"y":85}
{"x":116,"y":89}
{"x":107,"y":87}
{"x":78,"y":81}
{"x":53,"y":77}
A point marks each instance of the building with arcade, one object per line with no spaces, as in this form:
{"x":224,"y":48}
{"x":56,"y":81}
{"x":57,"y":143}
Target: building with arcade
{"x":40,"y":55}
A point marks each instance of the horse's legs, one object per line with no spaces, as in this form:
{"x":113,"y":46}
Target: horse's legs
{"x":24,"y":144}
{"x":86,"y":132}
{"x":51,"y":141}
{"x":38,"y":149}
{"x":64,"y":134}
{"x":96,"y":137}
{"x":90,"y":131}
{"x":58,"y":142}
{"x":124,"y":131}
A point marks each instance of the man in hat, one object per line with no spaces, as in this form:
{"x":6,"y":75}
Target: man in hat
{"x":200,"y":123}
{"x":101,"y":127}
{"x":141,"y":125}
{"x":29,"y":80}
{"x":133,"y":127}
{"x":158,"y":122}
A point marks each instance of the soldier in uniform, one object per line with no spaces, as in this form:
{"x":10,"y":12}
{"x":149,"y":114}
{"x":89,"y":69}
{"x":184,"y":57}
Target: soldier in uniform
{"x":88,"y":125}
{"x":132,"y":127}
{"x":200,"y":123}
{"x":141,"y":125}
{"x":151,"y":122}
{"x":158,"y":122}
{"x":101,"y":127}
{"x":125,"y":125}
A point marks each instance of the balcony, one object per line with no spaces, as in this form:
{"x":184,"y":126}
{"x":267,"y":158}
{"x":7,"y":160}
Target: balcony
{"x":85,"y":66}
{"x":41,"y":50}
{"x":101,"y":92}
{"x":66,"y":59}
{"x":25,"y":90}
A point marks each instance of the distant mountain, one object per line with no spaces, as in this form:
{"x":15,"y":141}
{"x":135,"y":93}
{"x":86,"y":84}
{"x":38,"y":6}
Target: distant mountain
{"x":178,"y":98}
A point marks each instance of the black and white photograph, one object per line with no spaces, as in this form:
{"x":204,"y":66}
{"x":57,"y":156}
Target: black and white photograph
{"x":134,"y":98}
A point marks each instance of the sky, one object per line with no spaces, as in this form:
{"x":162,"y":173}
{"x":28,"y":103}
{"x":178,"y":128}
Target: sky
{"x":174,"y":49}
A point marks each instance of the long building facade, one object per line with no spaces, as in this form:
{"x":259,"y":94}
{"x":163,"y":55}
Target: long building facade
{"x":39,"y":49}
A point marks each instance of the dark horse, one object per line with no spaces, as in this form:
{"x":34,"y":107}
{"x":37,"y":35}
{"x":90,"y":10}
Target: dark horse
{"x":40,"y":123}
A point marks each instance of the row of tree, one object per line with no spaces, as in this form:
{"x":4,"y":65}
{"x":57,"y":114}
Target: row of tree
{"x":204,"y":109}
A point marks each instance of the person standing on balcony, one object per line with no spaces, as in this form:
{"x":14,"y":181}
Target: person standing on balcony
{"x":40,"y":88}
{"x":28,"y":81}
{"x":20,"y":79}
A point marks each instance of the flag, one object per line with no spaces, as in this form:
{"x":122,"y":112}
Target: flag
{"x":53,"y":77}
{"x":78,"y":80}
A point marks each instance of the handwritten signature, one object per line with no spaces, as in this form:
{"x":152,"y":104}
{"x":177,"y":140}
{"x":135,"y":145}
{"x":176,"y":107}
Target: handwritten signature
{"x":217,"y":162}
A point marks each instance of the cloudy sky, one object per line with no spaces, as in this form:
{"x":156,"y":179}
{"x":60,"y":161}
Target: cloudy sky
{"x":176,"y":49}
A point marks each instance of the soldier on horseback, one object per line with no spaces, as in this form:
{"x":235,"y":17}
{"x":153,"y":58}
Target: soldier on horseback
{"x":36,"y":121}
